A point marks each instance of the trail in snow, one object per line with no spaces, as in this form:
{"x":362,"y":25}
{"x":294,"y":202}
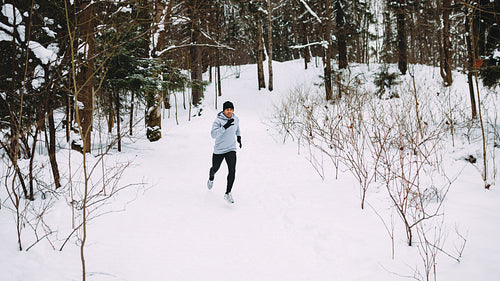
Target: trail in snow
{"x":286,"y":224}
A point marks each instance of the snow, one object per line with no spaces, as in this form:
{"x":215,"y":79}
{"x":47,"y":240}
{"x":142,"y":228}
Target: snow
{"x":48,"y":21}
{"x":39,"y":77}
{"x":7,"y":28}
{"x":310,"y":10}
{"x":287,"y":222}
{"x":13,"y":15}
{"x":4,"y":36}
{"x":45,"y":55}
{"x":49,"y":32}
{"x":124,"y":9}
{"x":21,"y":29}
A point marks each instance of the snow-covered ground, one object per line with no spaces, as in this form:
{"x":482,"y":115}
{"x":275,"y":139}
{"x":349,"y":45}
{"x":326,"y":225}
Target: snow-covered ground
{"x":287,"y":223}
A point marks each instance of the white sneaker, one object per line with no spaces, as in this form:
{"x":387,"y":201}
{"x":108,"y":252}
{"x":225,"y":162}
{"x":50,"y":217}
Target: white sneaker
{"x":210,"y":184}
{"x":229,"y":198}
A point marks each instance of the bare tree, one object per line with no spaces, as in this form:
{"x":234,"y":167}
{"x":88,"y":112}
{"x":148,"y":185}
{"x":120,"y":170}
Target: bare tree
{"x":260,"y":53}
{"x":341,"y":34}
{"x":446,"y":45}
{"x":328,"y":51}
{"x":270,"y":44}
{"x":470,"y":65}
{"x":85,"y":77}
{"x":402,"y":40}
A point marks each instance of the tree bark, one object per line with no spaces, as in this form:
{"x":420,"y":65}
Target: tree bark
{"x":68,"y":117}
{"x":219,"y":85}
{"x":328,"y":66}
{"x":196,"y":70}
{"x":270,"y":45}
{"x":446,"y":60}
{"x":111,"y":117}
{"x":32,"y":158}
{"x":480,"y":23}
{"x":341,"y":34}
{"x":131,"y":121}
{"x":85,"y":77}
{"x":402,"y":43}
{"x":260,"y":55}
{"x":295,"y":31}
{"x":153,"y":117}
{"x":52,"y":148}
{"x":153,"y":99}
{"x":305,"y":41}
{"x":195,"y":53}
{"x":118,"y":134}
{"x":470,"y":65}
{"x":387,"y":54}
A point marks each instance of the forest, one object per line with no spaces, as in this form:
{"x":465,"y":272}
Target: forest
{"x":70,"y":66}
{"x":88,"y":56}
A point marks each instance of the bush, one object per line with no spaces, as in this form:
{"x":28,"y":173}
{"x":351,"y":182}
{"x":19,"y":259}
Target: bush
{"x":384,"y":82}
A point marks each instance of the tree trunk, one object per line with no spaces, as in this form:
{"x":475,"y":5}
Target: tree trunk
{"x":402,"y":44}
{"x":446,"y":60}
{"x":341,"y":35}
{"x":153,"y":99}
{"x":13,"y":159}
{"x":12,"y":148}
{"x":479,"y":18}
{"x":305,"y":41}
{"x":295,"y":31}
{"x":366,"y":41}
{"x":85,"y":78}
{"x":111,"y":117}
{"x":153,"y":117}
{"x":196,"y":69}
{"x":68,"y":118}
{"x":219,"y":85}
{"x":387,"y":54}
{"x":260,"y":55}
{"x":118,"y":133}
{"x":270,"y":45}
{"x":160,"y":18}
{"x":131,"y":121}
{"x":52,"y":147}
{"x":50,"y":141}
{"x":33,"y":153}
{"x":328,"y":66}
{"x":470,"y":65}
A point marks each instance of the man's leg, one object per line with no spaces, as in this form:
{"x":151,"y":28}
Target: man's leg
{"x":231,"y":166}
{"x":216,"y":161}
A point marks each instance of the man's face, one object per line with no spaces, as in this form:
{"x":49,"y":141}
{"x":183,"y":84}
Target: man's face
{"x":228,"y":112}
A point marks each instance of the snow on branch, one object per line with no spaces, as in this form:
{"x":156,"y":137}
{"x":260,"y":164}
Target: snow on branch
{"x":170,"y":48}
{"x":209,"y":37}
{"x":310,"y":10}
{"x":322,"y":43}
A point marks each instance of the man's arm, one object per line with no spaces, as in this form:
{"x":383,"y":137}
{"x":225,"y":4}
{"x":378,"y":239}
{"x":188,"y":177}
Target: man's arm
{"x":238,"y":129}
{"x":217,"y":129}
{"x":238,"y":134}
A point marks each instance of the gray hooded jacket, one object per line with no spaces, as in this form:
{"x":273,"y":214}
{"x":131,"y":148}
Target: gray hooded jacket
{"x":225,"y":140}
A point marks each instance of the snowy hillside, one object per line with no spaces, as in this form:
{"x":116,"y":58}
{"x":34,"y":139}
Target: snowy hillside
{"x":287,"y":222}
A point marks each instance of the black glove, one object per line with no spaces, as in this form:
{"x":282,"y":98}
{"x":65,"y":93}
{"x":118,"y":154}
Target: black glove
{"x":229,"y":123}
{"x":238,"y":139}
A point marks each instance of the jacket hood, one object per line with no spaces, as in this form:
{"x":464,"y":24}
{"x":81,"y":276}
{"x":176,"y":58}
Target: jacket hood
{"x":222,"y":116}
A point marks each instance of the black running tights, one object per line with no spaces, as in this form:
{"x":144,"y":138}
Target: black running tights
{"x":231,"y":166}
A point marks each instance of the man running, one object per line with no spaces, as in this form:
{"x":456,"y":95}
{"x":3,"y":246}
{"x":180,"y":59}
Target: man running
{"x":224,"y":130}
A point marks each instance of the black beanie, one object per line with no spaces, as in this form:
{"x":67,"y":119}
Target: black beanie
{"x":227,"y":104}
